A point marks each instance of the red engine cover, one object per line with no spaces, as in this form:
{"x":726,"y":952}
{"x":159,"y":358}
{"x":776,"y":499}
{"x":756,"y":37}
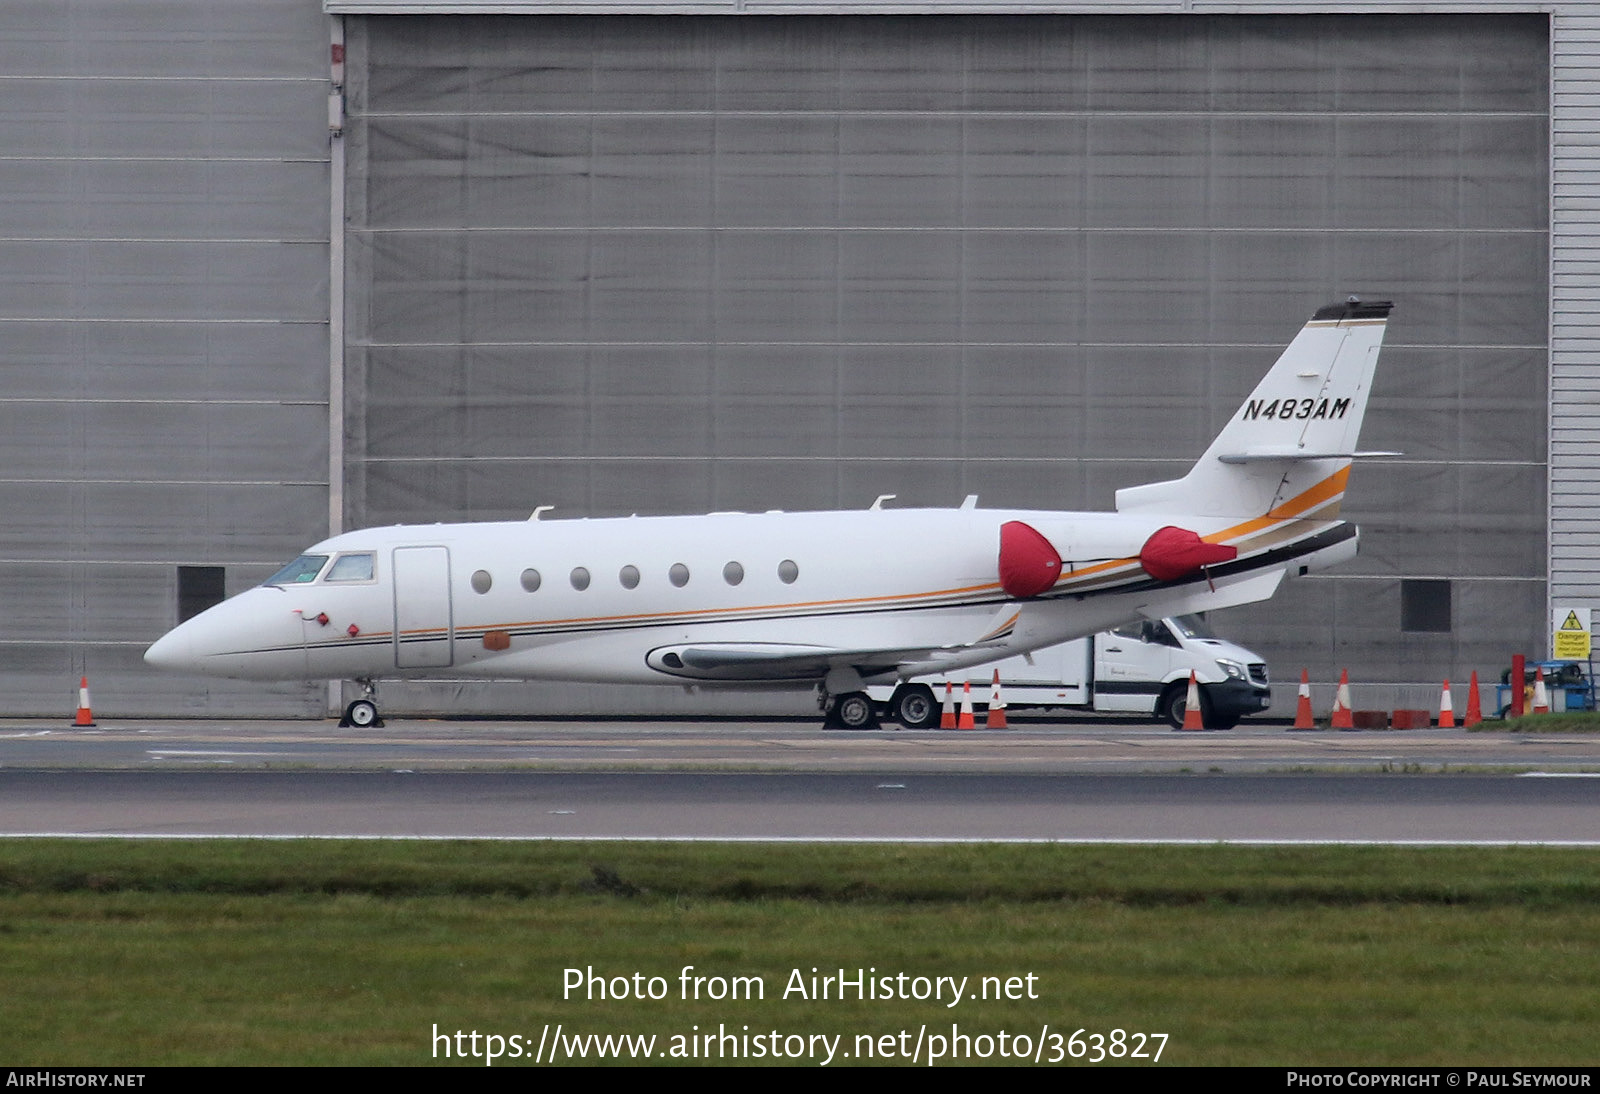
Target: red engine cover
{"x":1029,"y":564}
{"x":1174,"y":552}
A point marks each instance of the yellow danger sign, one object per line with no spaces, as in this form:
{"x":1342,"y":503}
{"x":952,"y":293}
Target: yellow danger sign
{"x":1571,"y":640}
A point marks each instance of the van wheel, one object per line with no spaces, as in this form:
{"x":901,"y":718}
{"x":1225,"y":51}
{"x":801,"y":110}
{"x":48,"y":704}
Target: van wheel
{"x":915,"y":707}
{"x":1174,"y":704}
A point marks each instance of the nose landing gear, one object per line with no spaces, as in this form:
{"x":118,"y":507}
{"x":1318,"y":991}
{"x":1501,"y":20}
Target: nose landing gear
{"x":363,"y":713}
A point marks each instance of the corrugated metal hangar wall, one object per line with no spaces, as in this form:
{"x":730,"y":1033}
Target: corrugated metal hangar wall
{"x":619,"y":264}
{"x":627,"y":264}
{"x":163,"y":330}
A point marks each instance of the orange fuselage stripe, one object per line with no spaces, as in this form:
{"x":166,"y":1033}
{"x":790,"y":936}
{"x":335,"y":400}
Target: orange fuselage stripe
{"x":1329,"y":488}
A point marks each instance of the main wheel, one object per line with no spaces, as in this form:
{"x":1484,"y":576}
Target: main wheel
{"x":854,"y":711}
{"x":363,"y":714}
{"x":915,"y":707}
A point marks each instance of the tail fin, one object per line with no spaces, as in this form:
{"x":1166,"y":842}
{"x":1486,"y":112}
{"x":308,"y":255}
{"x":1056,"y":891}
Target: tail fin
{"x":1287,"y":450}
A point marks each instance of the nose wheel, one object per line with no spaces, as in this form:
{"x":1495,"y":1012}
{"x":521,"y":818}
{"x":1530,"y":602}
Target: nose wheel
{"x":363,"y":713}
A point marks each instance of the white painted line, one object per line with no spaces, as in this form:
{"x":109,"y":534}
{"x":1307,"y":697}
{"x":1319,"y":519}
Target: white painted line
{"x":931,"y":840}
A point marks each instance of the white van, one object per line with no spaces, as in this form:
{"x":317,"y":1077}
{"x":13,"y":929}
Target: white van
{"x":1142,"y":667}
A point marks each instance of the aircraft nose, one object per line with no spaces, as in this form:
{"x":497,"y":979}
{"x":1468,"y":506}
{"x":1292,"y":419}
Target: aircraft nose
{"x":252,"y":636}
{"x":173,"y":651}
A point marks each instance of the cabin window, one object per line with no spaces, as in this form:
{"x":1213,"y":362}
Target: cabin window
{"x":199,"y":587}
{"x":481,"y":581}
{"x":678,"y":575}
{"x":788,"y":572}
{"x":530,"y":580}
{"x":733,"y":573}
{"x":301,"y":571}
{"x":356,"y":567}
{"x":629,"y":576}
{"x":580,"y":578}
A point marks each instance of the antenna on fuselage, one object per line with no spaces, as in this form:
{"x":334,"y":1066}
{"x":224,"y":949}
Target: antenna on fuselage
{"x":541,"y":509}
{"x":879,"y":503}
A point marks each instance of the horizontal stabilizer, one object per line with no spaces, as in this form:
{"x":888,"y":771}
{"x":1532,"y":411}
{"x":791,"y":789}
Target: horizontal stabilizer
{"x":1264,"y":455}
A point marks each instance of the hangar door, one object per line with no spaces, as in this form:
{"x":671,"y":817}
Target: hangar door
{"x":622,"y":264}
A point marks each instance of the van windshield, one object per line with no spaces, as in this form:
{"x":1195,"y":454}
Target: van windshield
{"x":1192,"y":626}
{"x":299,"y":572}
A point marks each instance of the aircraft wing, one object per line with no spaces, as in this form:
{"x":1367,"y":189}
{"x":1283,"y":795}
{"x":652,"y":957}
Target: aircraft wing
{"x":768,"y":661}
{"x":775,"y":661}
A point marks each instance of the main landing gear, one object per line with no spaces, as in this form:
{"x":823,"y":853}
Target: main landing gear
{"x":844,"y":701}
{"x":363,"y":713}
{"x":852,"y":710}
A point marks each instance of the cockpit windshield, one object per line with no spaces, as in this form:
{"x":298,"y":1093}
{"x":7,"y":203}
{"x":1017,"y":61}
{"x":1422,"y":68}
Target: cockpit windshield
{"x":352,"y":567}
{"x":302,"y":570}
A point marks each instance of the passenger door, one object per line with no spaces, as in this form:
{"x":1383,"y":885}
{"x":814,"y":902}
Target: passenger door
{"x":424,"y":632}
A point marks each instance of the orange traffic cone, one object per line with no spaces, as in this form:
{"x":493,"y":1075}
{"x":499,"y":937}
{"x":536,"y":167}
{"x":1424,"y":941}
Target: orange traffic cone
{"x":997,"y":706}
{"x":1302,"y":708}
{"x":1447,"y":709}
{"x":1474,"y":706}
{"x":1341,"y":703}
{"x":84,"y":718}
{"x":1541,"y":697}
{"x":965,"y":721}
{"x":1191,"y":706}
{"x":947,"y":715}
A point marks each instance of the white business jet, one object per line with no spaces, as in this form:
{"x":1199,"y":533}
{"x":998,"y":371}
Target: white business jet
{"x":834,"y":600}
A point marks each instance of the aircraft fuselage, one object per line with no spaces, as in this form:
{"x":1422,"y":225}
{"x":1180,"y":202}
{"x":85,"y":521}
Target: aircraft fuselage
{"x":613,"y":600}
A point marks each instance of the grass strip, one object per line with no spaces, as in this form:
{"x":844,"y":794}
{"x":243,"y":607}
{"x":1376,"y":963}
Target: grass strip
{"x":246,"y":952}
{"x":1577,"y":721}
